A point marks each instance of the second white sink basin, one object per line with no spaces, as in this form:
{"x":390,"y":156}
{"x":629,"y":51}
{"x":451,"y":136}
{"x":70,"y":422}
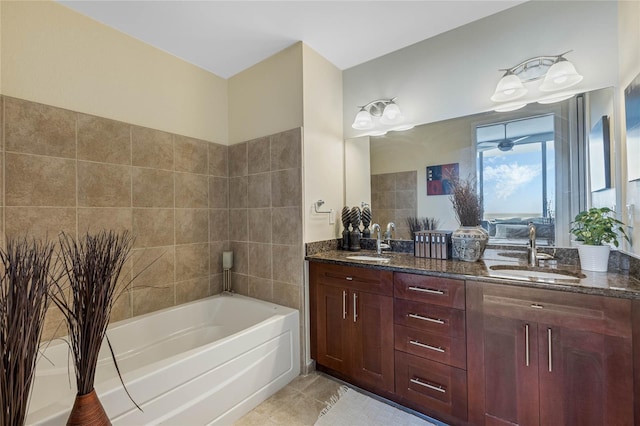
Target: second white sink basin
{"x":369,"y":258}
{"x":536,"y":273}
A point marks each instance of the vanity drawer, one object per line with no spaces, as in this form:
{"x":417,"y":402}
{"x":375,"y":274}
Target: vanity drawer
{"x":604,"y":315}
{"x":430,"y":318}
{"x":431,"y":385}
{"x":435,"y":290}
{"x":363,"y":279}
{"x":431,"y":346}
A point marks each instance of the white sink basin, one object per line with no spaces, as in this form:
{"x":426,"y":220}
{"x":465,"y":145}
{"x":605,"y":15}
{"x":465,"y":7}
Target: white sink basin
{"x":535,"y":273}
{"x":369,"y":258}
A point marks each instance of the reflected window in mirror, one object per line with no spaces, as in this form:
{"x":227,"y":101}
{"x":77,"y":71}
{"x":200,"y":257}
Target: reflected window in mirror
{"x":516,"y":178}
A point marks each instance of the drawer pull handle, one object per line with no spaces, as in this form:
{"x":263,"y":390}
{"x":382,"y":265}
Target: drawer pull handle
{"x":344,"y":304}
{"x":549,"y":338}
{"x":348,"y":278}
{"x":427,"y":290}
{"x":355,"y":307}
{"x":427,"y":385}
{"x":526,"y":344}
{"x":423,"y":345}
{"x":536,"y":306}
{"x":420,"y":317}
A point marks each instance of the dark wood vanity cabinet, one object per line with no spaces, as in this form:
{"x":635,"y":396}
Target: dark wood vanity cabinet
{"x":430,"y":344}
{"x":478,"y":353}
{"x":544,"y":357}
{"x":351,"y":324}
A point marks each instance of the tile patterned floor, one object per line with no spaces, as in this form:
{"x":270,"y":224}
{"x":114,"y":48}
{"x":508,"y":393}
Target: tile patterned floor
{"x":298,"y":403}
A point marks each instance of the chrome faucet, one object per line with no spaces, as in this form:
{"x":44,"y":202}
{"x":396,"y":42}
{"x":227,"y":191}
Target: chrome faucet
{"x":532,"y":255}
{"x":387,"y":235}
{"x":375,"y":227}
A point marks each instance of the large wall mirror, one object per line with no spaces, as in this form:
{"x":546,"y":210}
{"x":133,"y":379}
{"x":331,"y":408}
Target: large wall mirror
{"x":531,"y":165}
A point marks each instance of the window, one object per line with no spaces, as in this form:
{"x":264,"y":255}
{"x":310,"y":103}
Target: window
{"x":516,"y":176}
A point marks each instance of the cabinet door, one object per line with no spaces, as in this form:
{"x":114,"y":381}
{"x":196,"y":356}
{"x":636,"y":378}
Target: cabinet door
{"x":510,"y":372}
{"x":372,"y":318}
{"x":584,"y":378}
{"x":332,"y":327}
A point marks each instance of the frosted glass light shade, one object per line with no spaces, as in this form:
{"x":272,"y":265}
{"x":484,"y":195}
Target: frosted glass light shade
{"x":363,"y":121}
{"x":509,"y":87}
{"x":391,"y":114}
{"x":560,"y":76}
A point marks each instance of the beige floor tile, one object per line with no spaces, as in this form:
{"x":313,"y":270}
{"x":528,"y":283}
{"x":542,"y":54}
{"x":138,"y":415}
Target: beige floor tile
{"x":302,"y":381}
{"x":322,"y":389}
{"x":299,"y":410}
{"x":254,"y":418}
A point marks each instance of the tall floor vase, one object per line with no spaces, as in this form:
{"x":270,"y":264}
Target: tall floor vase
{"x":88,"y":411}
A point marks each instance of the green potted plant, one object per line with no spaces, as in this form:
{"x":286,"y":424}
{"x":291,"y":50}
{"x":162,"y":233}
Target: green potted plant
{"x":596,"y":229}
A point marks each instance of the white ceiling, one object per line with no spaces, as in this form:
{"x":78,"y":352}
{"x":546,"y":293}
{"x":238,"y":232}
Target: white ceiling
{"x":226,"y":37}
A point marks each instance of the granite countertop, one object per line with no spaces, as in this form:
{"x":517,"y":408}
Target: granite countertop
{"x":599,"y":283}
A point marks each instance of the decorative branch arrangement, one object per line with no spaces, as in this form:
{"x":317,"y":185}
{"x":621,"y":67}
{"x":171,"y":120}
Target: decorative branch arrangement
{"x":422,"y":224}
{"x":467,"y":204}
{"x":25,"y":282}
{"x":91,"y":266}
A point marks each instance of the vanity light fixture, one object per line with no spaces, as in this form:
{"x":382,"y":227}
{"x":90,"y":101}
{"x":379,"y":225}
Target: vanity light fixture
{"x":558,"y":74}
{"x":380,"y":116}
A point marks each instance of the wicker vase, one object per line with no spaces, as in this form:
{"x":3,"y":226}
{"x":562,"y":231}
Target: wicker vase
{"x":87,"y":410}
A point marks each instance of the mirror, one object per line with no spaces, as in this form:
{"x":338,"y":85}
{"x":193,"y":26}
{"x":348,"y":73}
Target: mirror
{"x":394,"y":182}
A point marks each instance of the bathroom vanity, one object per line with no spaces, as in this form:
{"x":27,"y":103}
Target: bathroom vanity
{"x":463,"y":345}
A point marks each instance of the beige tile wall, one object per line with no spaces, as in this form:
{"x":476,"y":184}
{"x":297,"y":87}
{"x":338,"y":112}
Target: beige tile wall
{"x":265,"y":218}
{"x":78,"y":173}
{"x":394,"y":198}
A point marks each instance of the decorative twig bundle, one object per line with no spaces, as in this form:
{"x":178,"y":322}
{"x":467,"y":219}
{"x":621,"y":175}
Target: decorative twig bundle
{"x":430,"y":223}
{"x":466,"y":201}
{"x":25,"y":281}
{"x":414,"y":224}
{"x":91,"y":266}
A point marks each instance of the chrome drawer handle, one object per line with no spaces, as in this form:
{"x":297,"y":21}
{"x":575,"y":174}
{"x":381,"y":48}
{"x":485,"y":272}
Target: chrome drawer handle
{"x":427,"y":290}
{"x":427,"y":385}
{"x":420,"y":317}
{"x":348,"y":278}
{"x":536,"y":306}
{"x":344,"y":304}
{"x":550,"y":350}
{"x":526,"y":344}
{"x":355,"y":307}
{"x":423,"y":345}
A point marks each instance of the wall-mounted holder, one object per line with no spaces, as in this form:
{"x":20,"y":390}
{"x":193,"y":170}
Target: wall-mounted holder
{"x":318,"y":204}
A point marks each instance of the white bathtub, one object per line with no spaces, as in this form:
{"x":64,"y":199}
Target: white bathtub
{"x":206,"y":362}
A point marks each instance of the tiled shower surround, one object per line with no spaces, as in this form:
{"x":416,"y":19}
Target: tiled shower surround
{"x":73,"y":172}
{"x":394,"y":199}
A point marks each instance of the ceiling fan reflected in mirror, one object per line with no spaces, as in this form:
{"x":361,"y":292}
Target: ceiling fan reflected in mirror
{"x":504,"y":145}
